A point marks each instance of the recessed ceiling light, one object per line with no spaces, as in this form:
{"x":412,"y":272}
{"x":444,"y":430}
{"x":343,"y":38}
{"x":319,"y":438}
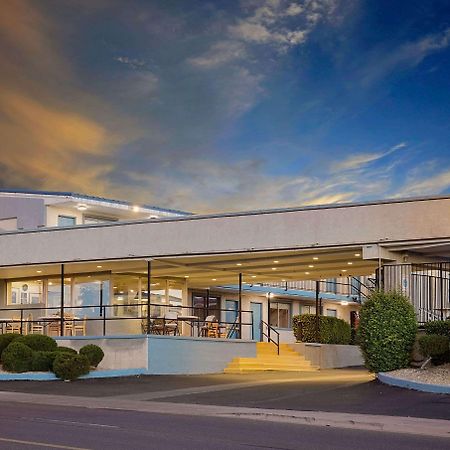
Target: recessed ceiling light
{"x":344,"y":303}
{"x":114,"y":287}
{"x":239,"y":264}
{"x":276,"y":261}
{"x":39,"y":281}
{"x":349,"y":263}
{"x":344,"y":270}
{"x":136,"y":208}
{"x":310,"y":266}
{"x":253,"y":276}
{"x":306,"y":273}
{"x":120,"y":292}
{"x":315,"y":258}
{"x":186,"y":276}
{"x":274,"y":268}
{"x":50,"y":283}
{"x":131,"y":290}
{"x":357,"y":254}
{"x":99,"y":267}
{"x":214,"y":279}
{"x":38,"y":271}
{"x":283,"y":280}
{"x":82,"y":207}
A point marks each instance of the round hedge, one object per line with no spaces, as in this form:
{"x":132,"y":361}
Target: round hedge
{"x":434,"y":345}
{"x":68,"y":366}
{"x":93,"y":353}
{"x":6,"y":339}
{"x":17,"y":357}
{"x":387,"y":331}
{"x":39,"y":342}
{"x":441,"y":327}
{"x":66,"y":350}
{"x":42,"y":361}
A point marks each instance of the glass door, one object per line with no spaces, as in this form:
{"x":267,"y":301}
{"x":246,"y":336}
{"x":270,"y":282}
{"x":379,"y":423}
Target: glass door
{"x":256,"y":309}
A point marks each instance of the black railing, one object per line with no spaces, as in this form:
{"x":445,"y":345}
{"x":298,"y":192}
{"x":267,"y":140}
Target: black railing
{"x":268,"y":334}
{"x":426,"y":284}
{"x":21,"y":319}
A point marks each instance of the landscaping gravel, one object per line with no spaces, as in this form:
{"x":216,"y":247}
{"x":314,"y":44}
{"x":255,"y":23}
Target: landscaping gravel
{"x":432,"y":375}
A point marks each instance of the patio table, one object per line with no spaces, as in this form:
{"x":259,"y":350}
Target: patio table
{"x":190,"y":320}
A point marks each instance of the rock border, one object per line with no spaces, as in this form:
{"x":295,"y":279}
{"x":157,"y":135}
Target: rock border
{"x":410,"y":384}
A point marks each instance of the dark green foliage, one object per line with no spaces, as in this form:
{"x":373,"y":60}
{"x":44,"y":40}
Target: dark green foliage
{"x":441,"y":327}
{"x":42,"y":361}
{"x":93,"y":353}
{"x":39,"y":342}
{"x":434,"y":345}
{"x":331,"y":329}
{"x":17,"y":357}
{"x":6,"y":339}
{"x":68,"y":366}
{"x":387,"y":331}
{"x":66,"y":349}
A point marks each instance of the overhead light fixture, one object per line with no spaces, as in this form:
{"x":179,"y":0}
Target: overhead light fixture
{"x":276,"y":261}
{"x":344,"y":303}
{"x":214,"y":279}
{"x":315,"y":258}
{"x":136,"y":208}
{"x":39,"y":281}
{"x":349,"y":263}
{"x":114,"y":287}
{"x":120,"y":292}
{"x":344,"y":270}
{"x":131,"y":290}
{"x":274,"y":268}
{"x":99,"y":267}
{"x":306,"y":273}
{"x":38,"y":271}
{"x":186,"y":276}
{"x":283,"y":281}
{"x":310,"y":266}
{"x":81,"y":207}
{"x":50,"y":283}
{"x":239,"y":264}
{"x":357,"y":254}
{"x":253,"y":276}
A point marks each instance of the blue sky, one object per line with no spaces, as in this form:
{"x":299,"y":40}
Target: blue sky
{"x":226,"y":105}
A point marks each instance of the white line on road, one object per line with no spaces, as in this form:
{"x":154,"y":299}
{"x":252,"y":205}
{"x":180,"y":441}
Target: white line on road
{"x":41,"y":444}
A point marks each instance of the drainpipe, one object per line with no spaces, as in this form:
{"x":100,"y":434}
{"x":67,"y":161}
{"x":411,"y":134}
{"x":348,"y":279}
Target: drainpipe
{"x":149,"y":275}
{"x":62,"y":300}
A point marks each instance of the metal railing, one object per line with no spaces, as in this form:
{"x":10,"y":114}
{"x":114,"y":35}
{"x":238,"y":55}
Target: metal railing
{"x":105,"y":315}
{"x":268,"y":335}
{"x":426,"y":284}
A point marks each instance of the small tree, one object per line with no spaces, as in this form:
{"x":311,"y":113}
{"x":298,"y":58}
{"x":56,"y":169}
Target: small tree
{"x":387,"y":331}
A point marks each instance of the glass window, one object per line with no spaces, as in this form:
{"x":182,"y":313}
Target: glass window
{"x":205,"y":306}
{"x":307,"y":309}
{"x":280,"y":315}
{"x":331,"y":285}
{"x":54,"y":293}
{"x":88,"y":291}
{"x":126,"y":296}
{"x":25,"y":292}
{"x":66,"y":221}
{"x":331,"y":312}
{"x":94,"y":220}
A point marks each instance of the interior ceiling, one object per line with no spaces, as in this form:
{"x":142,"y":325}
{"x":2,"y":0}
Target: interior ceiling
{"x":205,"y":271}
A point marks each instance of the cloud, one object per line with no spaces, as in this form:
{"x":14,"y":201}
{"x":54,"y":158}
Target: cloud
{"x":220,"y":53}
{"x":408,"y":55}
{"x":133,"y":63}
{"x":361,"y":159}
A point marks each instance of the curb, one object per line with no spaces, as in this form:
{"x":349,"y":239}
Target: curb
{"x":48,"y":376}
{"x":415,"y":385}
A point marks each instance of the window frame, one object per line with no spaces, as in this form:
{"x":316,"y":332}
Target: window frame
{"x":289,"y":309}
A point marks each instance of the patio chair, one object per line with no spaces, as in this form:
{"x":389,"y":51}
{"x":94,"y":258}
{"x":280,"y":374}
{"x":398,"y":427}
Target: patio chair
{"x":15,"y":326}
{"x":171,"y":323}
{"x":79,"y":327}
{"x":35,"y":327}
{"x":157,"y":326}
{"x":208,"y":330}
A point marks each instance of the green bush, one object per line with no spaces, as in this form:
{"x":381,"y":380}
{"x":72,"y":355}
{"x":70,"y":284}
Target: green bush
{"x":6,"y":339}
{"x":331,"y":329}
{"x":42,"y":361}
{"x":441,"y":327}
{"x":66,"y":350}
{"x":69,"y":367}
{"x":434,"y":345}
{"x":387,"y":331}
{"x":17,"y":357}
{"x":39,"y":342}
{"x":93,"y":353}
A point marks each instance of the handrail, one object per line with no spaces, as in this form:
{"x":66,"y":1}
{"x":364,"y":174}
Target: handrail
{"x":267,"y":335}
{"x":233,"y":328}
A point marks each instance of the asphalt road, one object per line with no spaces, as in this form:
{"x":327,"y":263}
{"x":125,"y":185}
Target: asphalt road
{"x":31,"y":426}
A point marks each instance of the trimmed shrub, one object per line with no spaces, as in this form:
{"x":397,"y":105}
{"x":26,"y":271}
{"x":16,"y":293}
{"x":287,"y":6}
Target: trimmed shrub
{"x":387,"y":331}
{"x":17,"y":357}
{"x":93,"y":353}
{"x":434,"y":345}
{"x":66,"y":350}
{"x":6,"y":339}
{"x":39,"y":342}
{"x":42,"y":361}
{"x":331,"y":329}
{"x":441,"y":327}
{"x":69,"y":367}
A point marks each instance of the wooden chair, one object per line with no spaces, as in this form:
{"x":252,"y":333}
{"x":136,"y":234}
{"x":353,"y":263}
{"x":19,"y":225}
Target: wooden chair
{"x":15,"y":326}
{"x":54,"y":328}
{"x":171,"y":323}
{"x":69,"y":324}
{"x":35,"y":327}
{"x":79,"y":327}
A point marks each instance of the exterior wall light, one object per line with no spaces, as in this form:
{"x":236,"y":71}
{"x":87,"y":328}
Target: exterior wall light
{"x":81,"y":207}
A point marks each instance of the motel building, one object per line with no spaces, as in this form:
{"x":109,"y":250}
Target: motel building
{"x":165,"y":291}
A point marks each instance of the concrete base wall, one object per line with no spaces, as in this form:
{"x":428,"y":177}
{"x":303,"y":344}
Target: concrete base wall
{"x":329,"y":356}
{"x":168,"y":355}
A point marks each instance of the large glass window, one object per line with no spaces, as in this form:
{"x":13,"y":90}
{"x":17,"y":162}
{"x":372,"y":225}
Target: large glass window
{"x":205,"y":305}
{"x":331,"y":285}
{"x":54,"y":292}
{"x":66,"y":221}
{"x":25,"y":292}
{"x":90,"y":291}
{"x":307,"y":309}
{"x":280,"y":315}
{"x":331,"y":312}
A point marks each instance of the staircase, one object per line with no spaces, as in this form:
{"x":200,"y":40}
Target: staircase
{"x":267,"y":359}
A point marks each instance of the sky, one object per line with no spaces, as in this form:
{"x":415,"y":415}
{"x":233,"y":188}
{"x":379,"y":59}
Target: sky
{"x":226,"y":105}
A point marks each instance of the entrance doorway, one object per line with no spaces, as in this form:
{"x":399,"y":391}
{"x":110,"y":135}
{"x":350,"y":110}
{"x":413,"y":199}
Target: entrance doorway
{"x":256,"y":309}
{"x":232,"y":311}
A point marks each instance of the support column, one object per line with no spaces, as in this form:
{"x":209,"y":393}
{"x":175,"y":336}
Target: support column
{"x":240,"y":306}
{"x":149,"y":276}
{"x":62,"y":301}
{"x":317,"y":310}
{"x":268,"y":317}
